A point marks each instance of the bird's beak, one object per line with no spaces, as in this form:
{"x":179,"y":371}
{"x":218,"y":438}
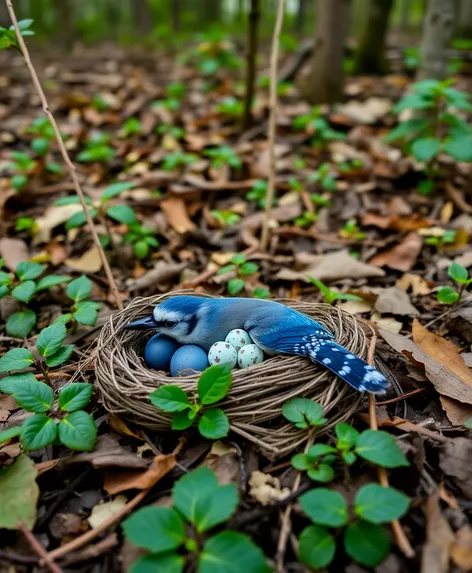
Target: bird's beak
{"x":142,"y":324}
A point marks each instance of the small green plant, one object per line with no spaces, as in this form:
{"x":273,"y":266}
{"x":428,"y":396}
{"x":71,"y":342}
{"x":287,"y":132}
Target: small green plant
{"x":324,"y":177}
{"x":23,"y":285}
{"x":226,"y":218}
{"x":26,"y":224}
{"x":351,"y":230}
{"x":22,"y":166}
{"x":283,"y":88}
{"x":243,"y":269}
{"x":295,"y":184}
{"x":350,"y":165}
{"x":173,"y":130}
{"x":83,"y":311}
{"x":213,"y":385}
{"x":439,"y":129}
{"x":306,"y":220}
{"x":330,"y":296}
{"x":315,"y":123}
{"x":258,"y":193}
{"x":41,"y":127}
{"x":132,"y":126}
{"x":178,"y":534}
{"x":100,"y":103}
{"x":8,"y":35}
{"x":142,"y":238}
{"x":65,"y":422}
{"x":97,"y":149}
{"x":177,"y":160}
{"x":411,"y":58}
{"x":213,"y":53}
{"x":231,"y":107}
{"x":448,"y":237}
{"x":460,"y":275}
{"x":223,"y":155}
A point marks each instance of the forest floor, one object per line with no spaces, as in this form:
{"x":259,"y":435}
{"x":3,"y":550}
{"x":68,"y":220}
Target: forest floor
{"x":347,"y":212}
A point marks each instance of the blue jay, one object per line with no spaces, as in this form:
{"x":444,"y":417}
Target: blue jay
{"x":274,"y":327}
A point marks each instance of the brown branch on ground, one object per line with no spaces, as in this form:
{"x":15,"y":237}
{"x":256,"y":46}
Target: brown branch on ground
{"x":65,"y":156}
{"x":39,"y":549}
{"x":400,"y":536}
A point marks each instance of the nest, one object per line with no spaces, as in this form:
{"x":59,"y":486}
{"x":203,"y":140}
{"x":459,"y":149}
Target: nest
{"x":254,"y":402}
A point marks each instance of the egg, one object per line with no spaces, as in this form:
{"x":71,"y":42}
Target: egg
{"x":222,"y":353}
{"x":238,"y":338}
{"x":158,"y":352}
{"x":188,"y":357}
{"x":250,"y":355}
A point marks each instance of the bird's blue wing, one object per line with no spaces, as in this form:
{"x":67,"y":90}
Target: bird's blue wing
{"x":288,"y":340}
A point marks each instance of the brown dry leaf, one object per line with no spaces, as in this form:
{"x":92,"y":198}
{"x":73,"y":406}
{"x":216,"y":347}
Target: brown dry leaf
{"x":108,"y":453}
{"x":461,"y":550}
{"x":265,"y":488}
{"x":399,"y":223}
{"x":176,"y":214}
{"x":104,"y":511}
{"x":14,"y":251}
{"x":439,"y":539}
{"x":365,"y":112}
{"x":224,"y":462}
{"x":454,"y":461}
{"x":395,"y":301}
{"x":414,"y":282}
{"x":122,"y":481}
{"x":356,"y":306}
{"x":53,"y":216}
{"x":387,"y":323}
{"x":457,"y":412}
{"x":47,"y":466}
{"x":120,"y":426}
{"x":89,"y":262}
{"x":162,"y":272}
{"x":403,"y":256}
{"x":447,"y":212}
{"x":405,"y":425}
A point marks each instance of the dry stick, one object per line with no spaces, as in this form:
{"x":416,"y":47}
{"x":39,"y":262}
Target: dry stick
{"x":65,"y":156}
{"x":252,"y":41}
{"x":38,"y":548}
{"x":400,"y":536}
{"x":272,"y":122}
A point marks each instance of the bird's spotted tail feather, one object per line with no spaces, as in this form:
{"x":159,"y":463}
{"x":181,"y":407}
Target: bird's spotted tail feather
{"x":347,"y":366}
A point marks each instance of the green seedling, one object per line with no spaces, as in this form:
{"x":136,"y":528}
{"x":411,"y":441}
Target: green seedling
{"x":316,"y":124}
{"x":97,"y":149}
{"x":243,"y":269}
{"x":226,"y":218}
{"x":223,"y":155}
{"x":8,"y":37}
{"x":330,"y":296}
{"x":178,"y":160}
{"x":460,"y":275}
{"x":351,"y":230}
{"x":132,"y":126}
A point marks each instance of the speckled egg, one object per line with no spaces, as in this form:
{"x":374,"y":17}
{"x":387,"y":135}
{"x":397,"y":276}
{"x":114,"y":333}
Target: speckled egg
{"x":188,"y":357}
{"x":158,"y":352}
{"x":250,"y":355}
{"x":238,"y":338}
{"x":222,"y":353}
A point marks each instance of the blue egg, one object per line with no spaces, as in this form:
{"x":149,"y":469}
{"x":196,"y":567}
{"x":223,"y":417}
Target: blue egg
{"x":158,"y":352}
{"x":188,"y":357}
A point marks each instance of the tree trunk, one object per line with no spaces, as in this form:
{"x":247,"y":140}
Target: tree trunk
{"x":370,"y":56}
{"x":300,"y":18}
{"x":404,"y":14}
{"x":142,"y":16}
{"x":252,"y":43}
{"x":175,"y":15}
{"x":4,"y":16}
{"x":326,"y":81}
{"x":211,"y":10}
{"x":64,"y":31}
{"x":464,"y":20}
{"x":437,"y":32}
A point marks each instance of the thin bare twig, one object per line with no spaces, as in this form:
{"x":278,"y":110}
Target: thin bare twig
{"x":272,"y":122}
{"x":38,"y":548}
{"x":65,"y":156}
{"x":400,"y":536}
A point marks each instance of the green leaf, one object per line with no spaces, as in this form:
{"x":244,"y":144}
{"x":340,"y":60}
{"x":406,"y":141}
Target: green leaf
{"x":141,"y":249}
{"x":5,"y":278}
{"x":379,"y":504}
{"x":425,"y":148}
{"x":170,"y":398}
{"x":29,"y":270}
{"x":348,"y":457}
{"x":460,"y":148}
{"x":303,"y":412}
{"x":319,"y":450}
{"x":366,"y":543}
{"x":50,"y":339}
{"x":78,"y":431}
{"x":301,"y":462}
{"x":447,"y":295}
{"x":325,"y":507}
{"x":213,"y":424}
{"x":40,"y":145}
{"x":98,"y":153}
{"x":37,"y":432}
{"x":16,"y":359}
{"x":181,"y":420}
{"x":20,"y":324}
{"x":214,"y":383}
{"x":24,"y":291}
{"x":426,"y":186}
{"x":19,"y":493}
{"x":51,"y":281}
{"x":225,"y":269}
{"x":9,"y":433}
{"x":249,"y":269}
{"x":169,"y":563}
{"x":19,"y":181}
{"x":468,"y":424}
{"x":86,"y":313}
{"x":33,"y":395}
{"x":380,"y":448}
{"x":4,"y":290}
{"x":75,"y":396}
{"x":116,"y":189}
{"x":232,"y":552}
{"x":316,"y":547}
{"x":413,"y":101}
{"x":347,"y":436}
{"x":202,"y":501}
{"x":9,"y":383}
{"x":72,"y":200}
{"x":79,"y":289}
{"x":235,"y":286}
{"x":406,"y":129}
{"x":78,"y":219}
{"x":122,"y":214}
{"x":323,"y":473}
{"x":261,"y":292}
{"x":61,"y":356}
{"x":458,"y":273}
{"x":157,"y":529}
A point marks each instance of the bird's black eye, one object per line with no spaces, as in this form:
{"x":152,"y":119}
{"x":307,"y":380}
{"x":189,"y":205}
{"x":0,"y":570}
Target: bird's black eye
{"x":169,"y":323}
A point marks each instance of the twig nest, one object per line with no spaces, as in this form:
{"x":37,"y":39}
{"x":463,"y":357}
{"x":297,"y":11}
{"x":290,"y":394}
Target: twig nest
{"x":254,"y":402}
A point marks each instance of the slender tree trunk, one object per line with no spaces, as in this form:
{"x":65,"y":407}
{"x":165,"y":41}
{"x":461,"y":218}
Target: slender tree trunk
{"x":464,"y":20}
{"x":370,"y":56}
{"x":404,"y":14}
{"x":326,"y":81}
{"x":175,"y":15}
{"x":252,"y":45}
{"x":64,"y":31}
{"x":301,"y":16}
{"x":5,"y":21}
{"x":142,"y":16}
{"x":437,"y":32}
